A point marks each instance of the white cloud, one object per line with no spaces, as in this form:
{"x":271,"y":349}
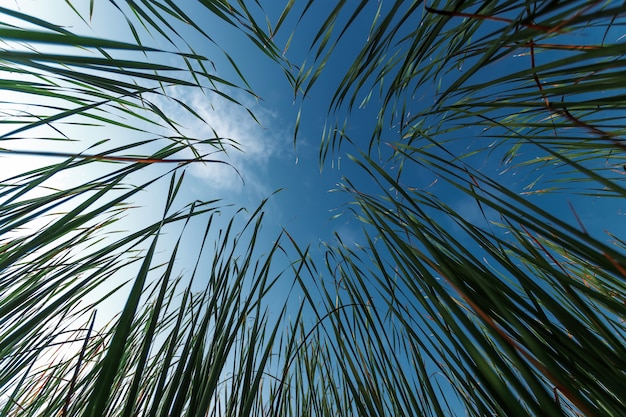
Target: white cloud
{"x":252,"y":147}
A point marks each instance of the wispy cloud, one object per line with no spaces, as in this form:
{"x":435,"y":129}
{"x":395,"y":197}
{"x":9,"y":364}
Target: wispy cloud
{"x":250,"y":146}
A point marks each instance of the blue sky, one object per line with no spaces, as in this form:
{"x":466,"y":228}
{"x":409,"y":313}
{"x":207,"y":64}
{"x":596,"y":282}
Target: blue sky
{"x":307,"y":206}
{"x":269,"y":160}
{"x":277,"y":109}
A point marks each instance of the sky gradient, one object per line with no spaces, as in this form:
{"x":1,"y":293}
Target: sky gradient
{"x":433,"y":173}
